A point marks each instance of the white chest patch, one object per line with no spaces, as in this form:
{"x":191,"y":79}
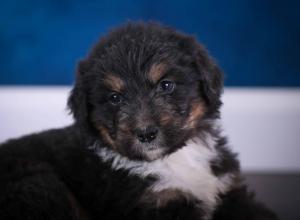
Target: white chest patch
{"x":187,"y":169}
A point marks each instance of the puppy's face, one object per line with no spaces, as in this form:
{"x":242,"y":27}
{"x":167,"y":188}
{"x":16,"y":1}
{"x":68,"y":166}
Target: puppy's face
{"x":149,"y":114}
{"x":143,"y":93}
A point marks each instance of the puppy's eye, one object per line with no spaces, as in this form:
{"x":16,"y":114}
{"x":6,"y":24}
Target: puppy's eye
{"x":115,"y":98}
{"x":167,"y":86}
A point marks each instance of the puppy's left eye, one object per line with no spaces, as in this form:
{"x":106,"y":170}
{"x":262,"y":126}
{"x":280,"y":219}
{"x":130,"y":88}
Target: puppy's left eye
{"x":115,"y":98}
{"x":166,"y":86}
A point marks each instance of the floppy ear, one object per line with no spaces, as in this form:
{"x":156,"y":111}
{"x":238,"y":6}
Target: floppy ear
{"x":77,"y":101}
{"x":211,"y":77}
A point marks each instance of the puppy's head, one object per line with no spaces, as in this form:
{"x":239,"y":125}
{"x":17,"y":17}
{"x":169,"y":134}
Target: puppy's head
{"x":145,"y":90}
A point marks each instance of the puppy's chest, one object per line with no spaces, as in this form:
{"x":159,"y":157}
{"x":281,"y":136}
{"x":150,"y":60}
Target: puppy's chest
{"x":187,"y":171}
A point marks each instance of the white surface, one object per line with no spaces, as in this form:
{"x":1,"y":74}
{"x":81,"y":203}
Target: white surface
{"x":263,"y":125}
{"x":30,"y":109}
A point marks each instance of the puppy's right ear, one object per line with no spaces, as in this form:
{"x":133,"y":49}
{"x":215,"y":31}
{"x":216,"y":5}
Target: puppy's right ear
{"x":77,"y":102}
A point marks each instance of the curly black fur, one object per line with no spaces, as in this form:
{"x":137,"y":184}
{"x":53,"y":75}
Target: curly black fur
{"x":144,"y":94}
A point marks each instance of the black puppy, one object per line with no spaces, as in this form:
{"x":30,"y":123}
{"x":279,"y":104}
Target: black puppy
{"x":145,"y":144}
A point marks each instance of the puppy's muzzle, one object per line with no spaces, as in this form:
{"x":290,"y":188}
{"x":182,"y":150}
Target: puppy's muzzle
{"x":147,"y":135}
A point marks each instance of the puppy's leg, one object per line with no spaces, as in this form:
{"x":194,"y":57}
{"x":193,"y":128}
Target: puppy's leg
{"x":169,"y":204}
{"x":241,"y":204}
{"x":177,"y":210}
{"x":32,"y":191}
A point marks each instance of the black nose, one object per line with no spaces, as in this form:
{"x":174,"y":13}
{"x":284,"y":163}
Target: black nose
{"x":147,"y":135}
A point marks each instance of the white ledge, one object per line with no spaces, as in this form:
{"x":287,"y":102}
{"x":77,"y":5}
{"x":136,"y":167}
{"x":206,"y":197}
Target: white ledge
{"x":263,"y":125}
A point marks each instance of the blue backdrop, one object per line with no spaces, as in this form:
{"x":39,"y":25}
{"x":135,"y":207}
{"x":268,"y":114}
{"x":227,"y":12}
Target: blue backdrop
{"x":256,"y":42}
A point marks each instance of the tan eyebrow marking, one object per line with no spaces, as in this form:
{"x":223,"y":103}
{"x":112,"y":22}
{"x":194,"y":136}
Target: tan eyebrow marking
{"x":114,"y":82}
{"x":157,"y":71}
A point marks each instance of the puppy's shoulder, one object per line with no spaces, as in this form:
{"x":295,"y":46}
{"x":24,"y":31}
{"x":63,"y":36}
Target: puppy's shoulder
{"x":49,"y":138}
{"x":37,"y":152}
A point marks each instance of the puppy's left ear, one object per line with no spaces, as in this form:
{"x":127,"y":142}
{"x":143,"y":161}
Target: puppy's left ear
{"x":211,"y":80}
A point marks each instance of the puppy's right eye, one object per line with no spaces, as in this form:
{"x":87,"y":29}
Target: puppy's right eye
{"x":115,"y":98}
{"x":166,"y":86}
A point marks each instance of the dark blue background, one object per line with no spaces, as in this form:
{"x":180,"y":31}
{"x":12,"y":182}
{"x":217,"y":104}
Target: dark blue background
{"x":256,"y":42}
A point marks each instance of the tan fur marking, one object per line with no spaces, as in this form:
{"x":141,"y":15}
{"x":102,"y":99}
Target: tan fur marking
{"x":165,"y":118}
{"x":196,"y":113}
{"x":124,"y":128}
{"x":114,"y":82}
{"x":157,"y":71}
{"x":78,"y":211}
{"x":162,"y":198}
{"x":105,"y":135}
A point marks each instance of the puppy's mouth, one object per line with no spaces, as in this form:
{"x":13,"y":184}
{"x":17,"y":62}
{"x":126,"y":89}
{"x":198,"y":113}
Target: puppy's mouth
{"x":148,"y":144}
{"x":155,"y":153}
{"x":150,"y":151}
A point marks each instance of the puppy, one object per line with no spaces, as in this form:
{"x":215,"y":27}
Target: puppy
{"x":146,"y":142}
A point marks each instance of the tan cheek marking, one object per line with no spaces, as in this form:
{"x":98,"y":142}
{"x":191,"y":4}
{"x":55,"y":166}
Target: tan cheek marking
{"x":157,"y":71}
{"x":165,"y":119}
{"x":196,"y":113}
{"x":123,"y":127}
{"x":105,"y":135}
{"x":114,"y":82}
